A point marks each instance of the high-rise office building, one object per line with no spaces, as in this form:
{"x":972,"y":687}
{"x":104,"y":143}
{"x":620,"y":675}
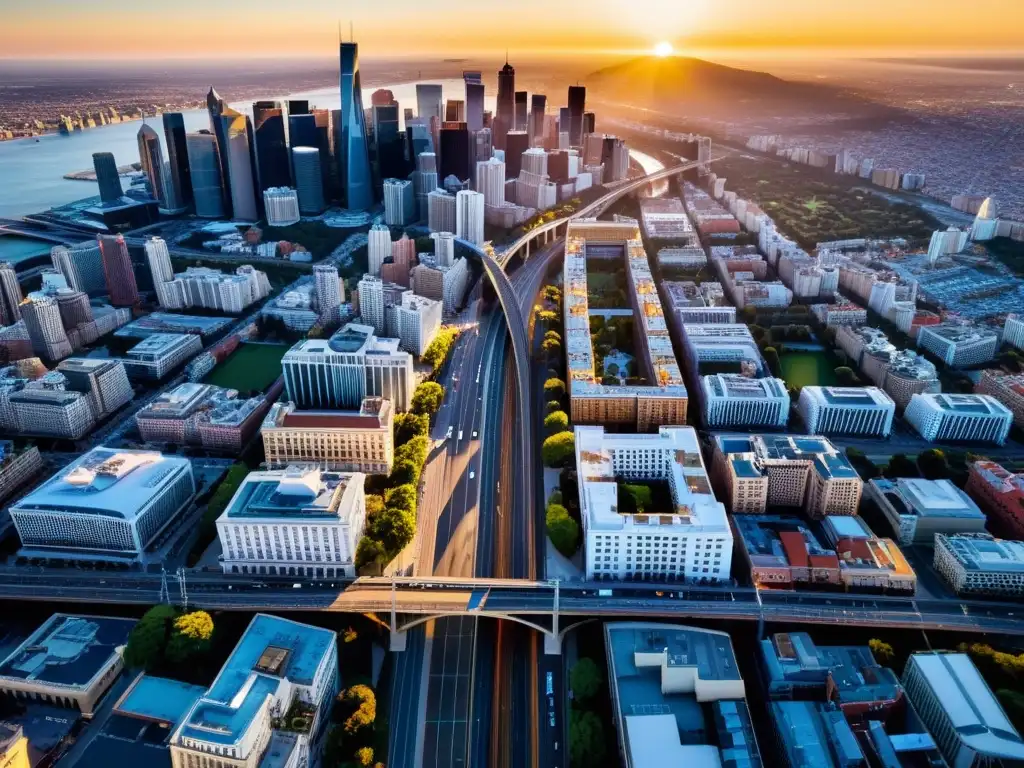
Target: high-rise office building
{"x":521,"y":110}
{"x":506,"y":95}
{"x":215,"y":106}
{"x":353,"y":153}
{"x":481,"y":146}
{"x":441,"y":211}
{"x":107,"y":177}
{"x":516,"y":142}
{"x":10,"y":294}
{"x":490,"y":181}
{"x":45,"y":329}
{"x":389,"y":151}
{"x":589,"y":123}
{"x":577,"y":105}
{"x":298,"y":107}
{"x":350,"y":366}
{"x":151,"y":157}
{"x":117,"y":268}
{"x":160,"y":268}
{"x":302,"y":130}
{"x":538,"y":103}
{"x":177,"y":157}
{"x":81,"y":265}
{"x":325,"y":143}
{"x":418,"y":320}
{"x":474,"y":100}
{"x":469,"y":216}
{"x":455,"y":111}
{"x":270,"y":128}
{"x":399,"y":202}
{"x":377,"y":299}
{"x":204,"y":170}
{"x":282,"y":206}
{"x":454,"y":151}
{"x":330,"y":293}
{"x":104,"y":381}
{"x":563,"y":119}
{"x":428,"y":101}
{"x":237,"y":152}
{"x":378,"y":247}
{"x":309,"y":184}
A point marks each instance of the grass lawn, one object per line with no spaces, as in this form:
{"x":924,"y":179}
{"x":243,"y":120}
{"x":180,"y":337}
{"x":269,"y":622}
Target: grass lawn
{"x":251,"y":367}
{"x":803,"y":369}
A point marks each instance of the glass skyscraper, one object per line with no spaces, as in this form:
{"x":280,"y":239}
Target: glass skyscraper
{"x":353,"y":154}
{"x":151,"y":157}
{"x":237,"y":158}
{"x":204,"y":168}
{"x":177,"y":156}
{"x":272,"y":160}
{"x":106,"y":176}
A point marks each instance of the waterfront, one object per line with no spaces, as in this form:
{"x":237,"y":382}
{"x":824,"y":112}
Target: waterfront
{"x":17,"y":249}
{"x":39,"y":164}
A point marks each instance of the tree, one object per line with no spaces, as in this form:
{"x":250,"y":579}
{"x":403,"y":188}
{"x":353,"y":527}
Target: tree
{"x":191,"y":637}
{"x":900,"y":466}
{"x":369,"y":552}
{"x":437,"y":351}
{"x":933,"y":464}
{"x":401,"y":497}
{"x":552,"y":405}
{"x":586,"y":739}
{"x":363,"y":702}
{"x":394,"y":528}
{"x":364,"y":756}
{"x":427,"y":398}
{"x":148,"y":638}
{"x":547,"y":317}
{"x":553,"y":336}
{"x":554,"y":388}
{"x":557,"y":421}
{"x":552,"y":293}
{"x":374,"y":505}
{"x":771,"y":357}
{"x":558,"y":448}
{"x":585,"y":679}
{"x":349,"y":635}
{"x":404,"y":472}
{"x":563,"y":531}
{"x":883,"y":651}
{"x":406,"y":426}
{"x":846,"y":377}
{"x":550,"y":347}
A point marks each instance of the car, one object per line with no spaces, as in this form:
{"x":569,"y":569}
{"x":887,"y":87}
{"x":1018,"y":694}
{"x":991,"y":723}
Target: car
{"x":472,"y":474}
{"x":551,"y":719}
{"x":448,"y":434}
{"x":474,"y":434}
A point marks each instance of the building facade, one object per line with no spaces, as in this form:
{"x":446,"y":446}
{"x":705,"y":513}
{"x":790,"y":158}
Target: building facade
{"x":731,"y":400}
{"x":979,"y":564}
{"x":959,"y":345}
{"x":846,"y":411}
{"x":959,"y":418}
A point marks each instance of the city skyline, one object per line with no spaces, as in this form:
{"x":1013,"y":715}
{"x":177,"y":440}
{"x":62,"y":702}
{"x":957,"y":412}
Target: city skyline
{"x":405,"y":28}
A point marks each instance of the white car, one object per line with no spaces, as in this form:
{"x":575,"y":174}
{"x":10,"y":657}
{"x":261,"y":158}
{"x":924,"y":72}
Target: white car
{"x":472,"y":475}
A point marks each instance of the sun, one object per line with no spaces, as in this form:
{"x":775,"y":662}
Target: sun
{"x":663,"y":49}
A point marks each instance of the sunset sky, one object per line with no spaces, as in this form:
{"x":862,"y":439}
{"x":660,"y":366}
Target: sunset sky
{"x":191,"y":28}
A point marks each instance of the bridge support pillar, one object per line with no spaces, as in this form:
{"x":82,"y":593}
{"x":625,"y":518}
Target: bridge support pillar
{"x":552,"y":644}
{"x":397,"y":643}
{"x":527,"y":249}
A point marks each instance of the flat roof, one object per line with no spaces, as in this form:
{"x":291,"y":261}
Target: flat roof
{"x":159,"y":699}
{"x":927,"y":498}
{"x":299,"y":492}
{"x":114,"y":483}
{"x":984,"y":553}
{"x":160,"y":343}
{"x":969,"y":704}
{"x":67,"y":651}
{"x":243,"y":683}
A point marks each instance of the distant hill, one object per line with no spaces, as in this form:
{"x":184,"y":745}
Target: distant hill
{"x":678,"y":81}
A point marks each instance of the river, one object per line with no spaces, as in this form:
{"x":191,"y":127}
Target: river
{"x":32,"y":170}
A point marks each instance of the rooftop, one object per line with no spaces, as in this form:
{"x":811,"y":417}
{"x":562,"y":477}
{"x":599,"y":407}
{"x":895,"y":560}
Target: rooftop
{"x":374,"y":413}
{"x":969,"y":704}
{"x":927,"y":498}
{"x":271,"y":650}
{"x":353,"y":338}
{"x":779,"y":541}
{"x":749,"y":454}
{"x":982,"y":552}
{"x":967,"y":405}
{"x":159,"y":344}
{"x":960,"y":333}
{"x":159,"y":699}
{"x":106,"y":482}
{"x":184,"y":400}
{"x":735,"y":386}
{"x":815,"y":735}
{"x":849,"y":397}
{"x":68,"y":651}
{"x":298,"y":491}
{"x":157,"y":322}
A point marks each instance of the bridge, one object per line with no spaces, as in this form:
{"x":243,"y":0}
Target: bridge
{"x":553,"y":230}
{"x":401,"y":603}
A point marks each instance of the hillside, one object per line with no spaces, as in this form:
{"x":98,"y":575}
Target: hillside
{"x":679,"y":81}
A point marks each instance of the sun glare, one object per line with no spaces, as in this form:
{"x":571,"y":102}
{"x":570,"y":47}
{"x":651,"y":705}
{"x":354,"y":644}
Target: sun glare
{"x":663,"y":49}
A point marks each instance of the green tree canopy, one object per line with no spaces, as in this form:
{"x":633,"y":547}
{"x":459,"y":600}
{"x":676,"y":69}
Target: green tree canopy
{"x":585,"y":678}
{"x":900,"y":466}
{"x":554,"y":387}
{"x":551,"y":347}
{"x":364,"y":756}
{"x":547,"y":316}
{"x":882,"y":651}
{"x":191,"y":637}
{"x":368,"y":552}
{"x":148,"y":638}
{"x":552,"y":405}
{"x":586,"y":739}
{"x":557,"y":421}
{"x":563,"y":530}
{"x":394,"y":528}
{"x":553,"y":336}
{"x":558,"y":449}
{"x":406,"y":426}
{"x":402,"y":497}
{"x":427,"y":398}
{"x":363,"y":703}
{"x":374,"y":504}
{"x":404,"y":472}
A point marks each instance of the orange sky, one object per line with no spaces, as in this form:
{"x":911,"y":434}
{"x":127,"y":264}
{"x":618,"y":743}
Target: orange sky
{"x":189,"y":28}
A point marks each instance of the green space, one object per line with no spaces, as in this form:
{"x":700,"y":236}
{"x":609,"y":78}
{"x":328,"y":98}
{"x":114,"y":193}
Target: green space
{"x":812,"y":205}
{"x":807,"y":369}
{"x":252,"y":368}
{"x":315,"y":236}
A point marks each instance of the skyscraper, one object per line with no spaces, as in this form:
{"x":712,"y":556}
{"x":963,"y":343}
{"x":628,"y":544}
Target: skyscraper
{"x":353,"y":154}
{"x":106,"y":176}
{"x":378,"y":247}
{"x":454,"y":151}
{"x":577,"y":105}
{"x":44,"y":327}
{"x":298,"y":107}
{"x":389,"y":154}
{"x":589,"y":123}
{"x":399,"y":202}
{"x":428,"y":101}
{"x":474,"y":100}
{"x":309,"y":183}
{"x":160,"y":268}
{"x":151,"y":157}
{"x":328,"y":163}
{"x":236,"y":156}
{"x":506,"y":95}
{"x":330,"y":292}
{"x":82,"y":266}
{"x":538,"y":103}
{"x":521,"y":110}
{"x":10,"y":294}
{"x":469,"y":216}
{"x":117,"y":267}
{"x":272,"y":161}
{"x":490,"y":181}
{"x":516,"y":143}
{"x":204,"y":170}
{"x":177,"y":157}
{"x":455,"y":111}
{"x":564,"y":120}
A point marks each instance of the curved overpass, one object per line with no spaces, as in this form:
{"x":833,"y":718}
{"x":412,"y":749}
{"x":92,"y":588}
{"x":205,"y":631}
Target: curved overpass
{"x":554,"y":230}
